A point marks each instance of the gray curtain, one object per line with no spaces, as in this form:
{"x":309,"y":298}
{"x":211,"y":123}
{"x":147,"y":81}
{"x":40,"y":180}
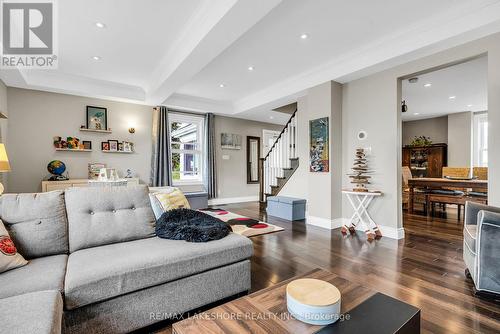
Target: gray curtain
{"x":161,"y":174}
{"x":210,"y":165}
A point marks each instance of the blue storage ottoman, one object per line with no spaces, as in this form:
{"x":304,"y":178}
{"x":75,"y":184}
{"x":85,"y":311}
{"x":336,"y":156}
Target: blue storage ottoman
{"x":289,"y":208}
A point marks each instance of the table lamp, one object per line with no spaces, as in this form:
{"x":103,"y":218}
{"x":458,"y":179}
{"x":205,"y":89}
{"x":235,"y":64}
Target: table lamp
{"x":4,"y":163}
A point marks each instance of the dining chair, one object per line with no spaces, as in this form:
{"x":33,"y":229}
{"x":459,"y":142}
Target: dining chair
{"x":419,"y":196}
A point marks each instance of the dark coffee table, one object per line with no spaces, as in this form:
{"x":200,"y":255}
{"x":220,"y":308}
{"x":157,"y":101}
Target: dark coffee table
{"x":265,"y":311}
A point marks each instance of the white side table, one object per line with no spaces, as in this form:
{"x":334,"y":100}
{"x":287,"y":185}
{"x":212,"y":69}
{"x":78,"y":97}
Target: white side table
{"x":360,"y":202}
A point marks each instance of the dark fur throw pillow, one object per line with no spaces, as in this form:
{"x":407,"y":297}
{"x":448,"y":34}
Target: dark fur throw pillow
{"x":190,"y":225}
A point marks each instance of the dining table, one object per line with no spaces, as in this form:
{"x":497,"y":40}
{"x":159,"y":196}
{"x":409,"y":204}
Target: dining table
{"x":430,"y":183}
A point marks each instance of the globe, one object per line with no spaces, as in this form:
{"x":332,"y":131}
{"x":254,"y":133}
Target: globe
{"x":56,"y":167}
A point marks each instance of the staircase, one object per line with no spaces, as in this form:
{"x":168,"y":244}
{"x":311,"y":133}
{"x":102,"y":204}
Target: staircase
{"x":276,"y":168}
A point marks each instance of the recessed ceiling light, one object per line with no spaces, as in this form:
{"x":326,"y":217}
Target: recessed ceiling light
{"x":452,"y":97}
{"x":271,"y":117}
{"x":416,"y":113}
{"x":96,"y":58}
{"x":250,"y":68}
{"x":304,"y":36}
{"x":427,"y":85}
{"x":469,"y":105}
{"x":222,"y":85}
{"x":100,"y":25}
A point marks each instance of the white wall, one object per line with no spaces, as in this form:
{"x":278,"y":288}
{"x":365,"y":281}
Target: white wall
{"x":232,"y":173}
{"x":35,"y":117}
{"x":436,"y":128}
{"x":372,"y":104}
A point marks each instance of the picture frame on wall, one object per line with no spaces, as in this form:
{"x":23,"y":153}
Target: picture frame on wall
{"x":87,"y":145}
{"x":120,"y":147}
{"x":97,"y":118}
{"x":113,"y":145}
{"x":319,"y":145}
{"x":104,"y":146}
{"x":127,"y":147}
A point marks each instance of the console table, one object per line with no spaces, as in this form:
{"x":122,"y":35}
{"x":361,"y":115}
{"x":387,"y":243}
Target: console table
{"x":62,"y":185}
{"x":360,"y":200}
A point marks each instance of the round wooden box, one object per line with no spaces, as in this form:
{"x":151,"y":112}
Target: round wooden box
{"x":313,"y":301}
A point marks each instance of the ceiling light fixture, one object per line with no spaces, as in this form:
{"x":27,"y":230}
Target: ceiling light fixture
{"x":100,"y":25}
{"x":271,"y":117}
{"x":416,"y":113}
{"x":304,"y":36}
{"x":222,"y":85}
{"x":427,"y":85}
{"x":96,"y":58}
{"x":250,"y":68}
{"x":452,"y":97}
{"x":469,"y":105}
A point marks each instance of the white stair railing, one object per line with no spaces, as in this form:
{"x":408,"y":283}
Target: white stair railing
{"x":278,"y":159}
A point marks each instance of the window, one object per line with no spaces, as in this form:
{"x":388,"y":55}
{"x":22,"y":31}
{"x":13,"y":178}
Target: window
{"x":186,"y":140}
{"x":480,"y":140}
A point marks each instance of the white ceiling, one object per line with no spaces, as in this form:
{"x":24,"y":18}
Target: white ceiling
{"x":467,"y":82}
{"x":178,"y":52}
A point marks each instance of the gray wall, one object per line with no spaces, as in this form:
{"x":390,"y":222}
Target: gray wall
{"x":35,"y":117}
{"x":372,"y":104}
{"x":3,"y":128}
{"x":435,"y":128}
{"x":232,"y":173}
{"x":322,"y":190}
{"x":460,"y":139}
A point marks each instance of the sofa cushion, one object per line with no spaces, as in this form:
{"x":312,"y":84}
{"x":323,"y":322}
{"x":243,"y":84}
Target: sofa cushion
{"x":44,"y":273}
{"x":130,"y":266}
{"x":470,"y":236}
{"x":36,"y":222}
{"x":36,"y":312}
{"x":105,"y":215}
{"x":9,"y":257}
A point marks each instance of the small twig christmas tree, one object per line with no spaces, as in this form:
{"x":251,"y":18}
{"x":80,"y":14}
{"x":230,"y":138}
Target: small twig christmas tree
{"x":360,"y":169}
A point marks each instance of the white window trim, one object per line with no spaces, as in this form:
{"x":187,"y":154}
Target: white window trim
{"x":199,"y":121}
{"x":476,"y":135}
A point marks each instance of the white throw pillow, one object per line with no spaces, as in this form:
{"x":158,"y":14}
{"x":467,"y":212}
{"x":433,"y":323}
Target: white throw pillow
{"x":9,"y":257}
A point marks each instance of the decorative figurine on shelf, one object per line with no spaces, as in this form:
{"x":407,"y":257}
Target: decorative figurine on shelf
{"x":73,"y":143}
{"x":360,"y":169}
{"x":57,"y":168}
{"x":57,"y":142}
{"x":129,"y":174}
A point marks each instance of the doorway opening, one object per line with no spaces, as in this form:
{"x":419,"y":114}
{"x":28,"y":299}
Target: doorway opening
{"x":444,"y":134}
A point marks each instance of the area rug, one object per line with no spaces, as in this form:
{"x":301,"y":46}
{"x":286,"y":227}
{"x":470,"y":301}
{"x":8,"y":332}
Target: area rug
{"x":242,"y":225}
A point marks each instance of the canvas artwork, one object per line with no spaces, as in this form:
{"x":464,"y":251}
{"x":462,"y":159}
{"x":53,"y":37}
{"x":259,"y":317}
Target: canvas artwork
{"x":97,"y":118}
{"x":319,"y":145}
{"x":230,"y":141}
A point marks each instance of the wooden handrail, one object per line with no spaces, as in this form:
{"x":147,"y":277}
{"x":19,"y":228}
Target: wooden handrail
{"x":281,"y":133}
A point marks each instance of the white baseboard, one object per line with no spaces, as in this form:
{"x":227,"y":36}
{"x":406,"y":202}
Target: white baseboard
{"x":324,"y":222}
{"x":229,"y":200}
{"x":387,"y":231}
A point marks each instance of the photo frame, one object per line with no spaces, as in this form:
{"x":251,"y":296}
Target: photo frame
{"x":127,"y":146}
{"x":120,"y":147}
{"x":230,"y":141}
{"x":113,"y":145}
{"x":95,"y":169}
{"x":104,"y":146}
{"x":97,"y":118}
{"x":87,"y":145}
{"x":319,"y":145}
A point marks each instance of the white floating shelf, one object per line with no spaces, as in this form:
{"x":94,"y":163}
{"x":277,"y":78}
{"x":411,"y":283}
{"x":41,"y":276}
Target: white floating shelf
{"x":92,"y":130}
{"x":72,"y":150}
{"x":122,"y":152}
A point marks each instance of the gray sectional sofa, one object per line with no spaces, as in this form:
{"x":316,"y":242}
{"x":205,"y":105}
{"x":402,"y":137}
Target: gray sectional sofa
{"x":95,"y":265}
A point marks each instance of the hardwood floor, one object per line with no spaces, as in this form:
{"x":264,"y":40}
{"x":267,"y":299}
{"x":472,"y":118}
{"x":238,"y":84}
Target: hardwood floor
{"x":424,"y":269}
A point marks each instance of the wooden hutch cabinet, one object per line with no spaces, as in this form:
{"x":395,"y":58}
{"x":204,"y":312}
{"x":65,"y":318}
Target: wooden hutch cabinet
{"x":426,"y":161}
